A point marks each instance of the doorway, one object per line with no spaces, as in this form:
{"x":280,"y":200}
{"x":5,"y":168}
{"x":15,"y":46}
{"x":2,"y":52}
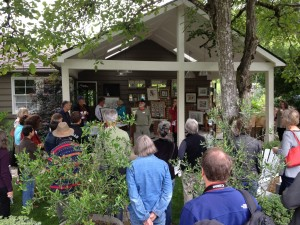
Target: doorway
{"x":88,"y":89}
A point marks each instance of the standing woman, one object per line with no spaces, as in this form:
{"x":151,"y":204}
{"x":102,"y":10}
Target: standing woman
{"x":149,"y":186}
{"x":279,"y":116}
{"x":36,"y":122}
{"x":166,"y":150}
{"x":290,"y":120}
{"x":173,"y":118}
{"x":22,"y":111}
{"x":6,"y":189}
{"x":143,"y":119}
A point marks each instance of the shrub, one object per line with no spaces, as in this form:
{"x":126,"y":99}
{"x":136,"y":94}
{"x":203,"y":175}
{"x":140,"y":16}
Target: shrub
{"x":19,"y":220}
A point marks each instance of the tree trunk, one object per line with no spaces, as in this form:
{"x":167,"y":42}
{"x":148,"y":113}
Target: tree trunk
{"x":219,"y":13}
{"x":251,"y":42}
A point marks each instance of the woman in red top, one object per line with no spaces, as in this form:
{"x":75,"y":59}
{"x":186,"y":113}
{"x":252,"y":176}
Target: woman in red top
{"x":6,"y":189}
{"x":173,"y":118}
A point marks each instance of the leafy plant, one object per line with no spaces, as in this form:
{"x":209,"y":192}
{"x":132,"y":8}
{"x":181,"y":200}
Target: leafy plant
{"x":273,"y":207}
{"x":6,"y":125}
{"x":19,"y":220}
{"x":102,"y":185}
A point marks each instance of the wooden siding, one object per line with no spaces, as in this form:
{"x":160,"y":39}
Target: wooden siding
{"x":5,"y":94}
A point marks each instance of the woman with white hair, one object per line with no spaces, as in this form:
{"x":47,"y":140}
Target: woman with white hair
{"x":149,"y":186}
{"x":192,"y":147}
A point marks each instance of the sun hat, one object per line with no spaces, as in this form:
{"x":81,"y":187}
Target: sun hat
{"x":63,"y":130}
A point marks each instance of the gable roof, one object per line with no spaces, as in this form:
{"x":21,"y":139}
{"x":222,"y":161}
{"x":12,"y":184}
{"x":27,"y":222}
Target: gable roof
{"x":162,"y":30}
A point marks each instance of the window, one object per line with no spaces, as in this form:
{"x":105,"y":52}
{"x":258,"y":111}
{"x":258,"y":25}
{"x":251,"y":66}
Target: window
{"x":159,"y":83}
{"x":23,"y":92}
{"x":136,"y":83}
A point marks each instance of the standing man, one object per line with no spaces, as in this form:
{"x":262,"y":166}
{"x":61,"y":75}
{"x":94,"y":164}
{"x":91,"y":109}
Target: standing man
{"x":143,"y":119}
{"x":173,"y":118}
{"x":218,"y":202}
{"x":83,"y":109}
{"x":192,"y":147}
{"x":65,"y":108}
{"x":98,"y":113}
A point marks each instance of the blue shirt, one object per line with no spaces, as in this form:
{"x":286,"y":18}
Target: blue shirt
{"x":149,"y":187}
{"x":17,"y":134}
{"x":121,"y":111}
{"x":227,"y":206}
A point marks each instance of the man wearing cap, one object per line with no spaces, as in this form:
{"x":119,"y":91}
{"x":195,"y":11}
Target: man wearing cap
{"x":98,"y":112}
{"x":142,"y":119}
{"x":83,"y":109}
{"x":218,"y":202}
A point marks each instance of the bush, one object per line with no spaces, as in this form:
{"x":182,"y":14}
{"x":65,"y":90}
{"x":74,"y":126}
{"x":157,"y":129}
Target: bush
{"x":19,"y":220}
{"x":273,"y":207}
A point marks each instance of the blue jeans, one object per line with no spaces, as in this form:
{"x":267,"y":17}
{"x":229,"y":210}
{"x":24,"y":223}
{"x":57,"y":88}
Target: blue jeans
{"x":169,"y":209}
{"x":29,"y":192}
{"x":251,"y":187}
{"x":158,"y":221}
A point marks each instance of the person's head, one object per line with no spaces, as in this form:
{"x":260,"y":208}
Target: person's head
{"x":66,"y":105}
{"x":56,"y":117}
{"x":120,"y":102}
{"x":110,"y":117}
{"x":76,"y":117}
{"x":81,"y":100}
{"x":63,"y":130}
{"x":283,"y":105}
{"x":101,"y":101}
{"x":290,"y":117}
{"x":163,"y":128}
{"x":216,"y":165}
{"x":22,"y":111}
{"x":3,"y":139}
{"x":28,"y":131}
{"x":142,"y":103}
{"x":22,"y":119}
{"x":239,"y":127}
{"x":175,"y":102}
{"x":144,"y":146}
{"x":35,"y":121}
{"x":191,"y":126}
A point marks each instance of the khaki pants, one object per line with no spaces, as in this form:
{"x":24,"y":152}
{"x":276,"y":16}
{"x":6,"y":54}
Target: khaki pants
{"x":142,"y":130}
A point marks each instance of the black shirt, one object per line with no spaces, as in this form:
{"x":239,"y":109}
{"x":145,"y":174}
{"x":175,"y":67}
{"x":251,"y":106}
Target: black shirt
{"x":66,"y":116}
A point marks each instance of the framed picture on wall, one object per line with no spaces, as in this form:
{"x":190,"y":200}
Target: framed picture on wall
{"x":174,"y":88}
{"x":152,"y":94}
{"x":202,"y":91}
{"x":197,"y":116}
{"x":190,"y":97}
{"x":202,"y":103}
{"x":164,"y":93}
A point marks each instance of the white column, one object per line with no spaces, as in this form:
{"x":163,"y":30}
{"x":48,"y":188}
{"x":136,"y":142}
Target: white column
{"x":269,"y":77}
{"x":65,"y":83}
{"x":180,"y":75}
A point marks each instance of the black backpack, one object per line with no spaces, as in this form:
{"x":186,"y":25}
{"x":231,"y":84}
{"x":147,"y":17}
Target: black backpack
{"x":257,"y":217}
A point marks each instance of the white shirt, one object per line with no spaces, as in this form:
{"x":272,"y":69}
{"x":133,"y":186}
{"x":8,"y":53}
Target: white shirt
{"x":98,"y":112}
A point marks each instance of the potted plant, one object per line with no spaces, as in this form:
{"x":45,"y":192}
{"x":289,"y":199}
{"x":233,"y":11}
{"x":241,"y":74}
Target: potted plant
{"x":101,"y":186}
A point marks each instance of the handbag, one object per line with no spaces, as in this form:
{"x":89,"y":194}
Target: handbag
{"x":293,"y":157}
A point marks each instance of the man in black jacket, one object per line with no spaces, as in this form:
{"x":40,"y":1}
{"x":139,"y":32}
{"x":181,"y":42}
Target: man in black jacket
{"x":65,"y":108}
{"x":290,"y":199}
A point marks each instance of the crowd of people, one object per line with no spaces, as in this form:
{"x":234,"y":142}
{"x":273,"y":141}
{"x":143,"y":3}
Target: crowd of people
{"x":151,"y":175}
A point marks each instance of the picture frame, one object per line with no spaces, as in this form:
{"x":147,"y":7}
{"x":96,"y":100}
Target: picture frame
{"x":111,"y":102}
{"x":158,"y":109}
{"x":198,"y":116}
{"x":152,"y":94}
{"x":164,"y":93}
{"x":202,"y":103}
{"x":191,"y":97}
{"x":202,"y":91}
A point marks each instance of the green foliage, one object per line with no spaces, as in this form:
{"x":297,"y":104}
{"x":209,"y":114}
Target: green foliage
{"x":19,"y":220}
{"x":6,"y":125}
{"x":102,"y":188}
{"x":273,"y":207}
{"x":271,"y":144}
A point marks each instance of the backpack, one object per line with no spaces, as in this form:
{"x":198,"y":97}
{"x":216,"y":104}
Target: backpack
{"x":257,"y":217}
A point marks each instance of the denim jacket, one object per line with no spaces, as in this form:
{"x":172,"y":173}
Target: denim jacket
{"x":149,"y":186}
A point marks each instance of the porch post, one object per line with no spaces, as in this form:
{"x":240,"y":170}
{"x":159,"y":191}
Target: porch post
{"x":269,"y":77}
{"x":65,"y":83}
{"x":180,"y":75}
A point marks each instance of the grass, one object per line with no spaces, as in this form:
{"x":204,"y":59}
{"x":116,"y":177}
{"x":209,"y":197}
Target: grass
{"x":39,"y":214}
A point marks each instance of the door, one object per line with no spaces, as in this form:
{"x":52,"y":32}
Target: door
{"x":88,"y":89}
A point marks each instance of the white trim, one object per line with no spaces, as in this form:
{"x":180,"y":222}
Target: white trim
{"x":87,"y":64}
{"x":270,"y":57}
{"x":269,"y":112}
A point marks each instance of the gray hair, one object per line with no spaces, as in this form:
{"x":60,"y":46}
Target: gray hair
{"x":144,"y":146}
{"x":110,"y":115}
{"x":191,"y":126}
{"x":22,"y":111}
{"x":290,"y":117}
{"x":163,"y":128}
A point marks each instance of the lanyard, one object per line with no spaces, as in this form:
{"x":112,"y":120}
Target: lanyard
{"x":215,"y":186}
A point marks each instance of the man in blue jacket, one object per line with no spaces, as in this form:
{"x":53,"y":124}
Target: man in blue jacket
{"x":218,"y":202}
